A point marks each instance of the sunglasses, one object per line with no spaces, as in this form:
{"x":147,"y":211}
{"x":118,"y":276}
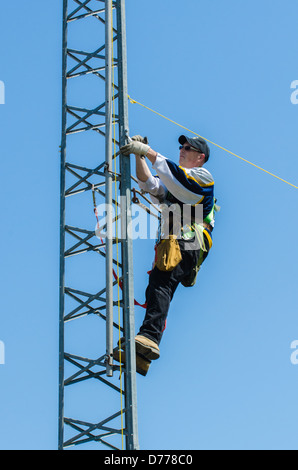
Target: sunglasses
{"x":188,"y":148}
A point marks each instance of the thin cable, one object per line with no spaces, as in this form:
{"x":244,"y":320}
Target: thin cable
{"x":213,"y":143}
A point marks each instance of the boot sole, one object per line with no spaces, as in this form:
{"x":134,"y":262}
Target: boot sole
{"x":142,"y":364}
{"x":148,"y":352}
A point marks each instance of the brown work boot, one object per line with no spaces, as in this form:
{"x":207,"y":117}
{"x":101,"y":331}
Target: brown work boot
{"x":142,"y":364}
{"x":147,"y":348}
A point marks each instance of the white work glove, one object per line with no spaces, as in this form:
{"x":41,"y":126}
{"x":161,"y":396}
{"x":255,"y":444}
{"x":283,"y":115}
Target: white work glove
{"x":139,"y":138}
{"x":136,"y":147}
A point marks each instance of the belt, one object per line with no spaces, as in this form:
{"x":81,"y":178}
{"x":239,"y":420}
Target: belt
{"x":208,"y":226}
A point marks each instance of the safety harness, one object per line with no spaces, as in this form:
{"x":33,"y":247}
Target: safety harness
{"x":202,"y":233}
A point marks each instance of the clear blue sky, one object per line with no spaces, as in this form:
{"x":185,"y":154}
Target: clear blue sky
{"x":223,"y":69}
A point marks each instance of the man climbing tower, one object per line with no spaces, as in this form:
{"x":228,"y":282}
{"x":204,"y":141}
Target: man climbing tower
{"x":179,"y":252}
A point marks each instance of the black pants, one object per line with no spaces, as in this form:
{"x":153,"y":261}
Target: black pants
{"x":161,"y":289}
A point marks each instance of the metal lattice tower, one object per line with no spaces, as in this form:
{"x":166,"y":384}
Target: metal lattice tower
{"x":97,"y":404}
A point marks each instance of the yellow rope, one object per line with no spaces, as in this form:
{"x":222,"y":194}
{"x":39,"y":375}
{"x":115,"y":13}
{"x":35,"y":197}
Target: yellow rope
{"x":213,"y":143}
{"x":117,"y":239}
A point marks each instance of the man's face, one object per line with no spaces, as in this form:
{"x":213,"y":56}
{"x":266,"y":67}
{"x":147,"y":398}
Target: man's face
{"x":190,"y":158}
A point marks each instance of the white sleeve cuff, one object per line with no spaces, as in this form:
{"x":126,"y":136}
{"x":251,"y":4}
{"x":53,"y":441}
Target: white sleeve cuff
{"x":149,"y":185}
{"x":159,"y":160}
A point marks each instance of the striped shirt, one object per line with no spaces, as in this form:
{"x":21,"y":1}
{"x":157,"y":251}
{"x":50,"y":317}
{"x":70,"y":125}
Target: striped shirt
{"x":185,"y":186}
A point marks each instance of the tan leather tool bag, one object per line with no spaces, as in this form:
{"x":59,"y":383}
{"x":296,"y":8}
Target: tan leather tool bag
{"x":168,"y":254}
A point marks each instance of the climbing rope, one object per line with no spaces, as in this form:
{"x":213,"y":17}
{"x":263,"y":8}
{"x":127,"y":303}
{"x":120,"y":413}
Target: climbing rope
{"x":132,"y":101}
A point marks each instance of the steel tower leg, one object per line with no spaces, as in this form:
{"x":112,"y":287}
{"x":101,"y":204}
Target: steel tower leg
{"x":94,"y":78}
{"x":62,"y":231}
{"x":109,"y":184}
{"x":128,"y":310}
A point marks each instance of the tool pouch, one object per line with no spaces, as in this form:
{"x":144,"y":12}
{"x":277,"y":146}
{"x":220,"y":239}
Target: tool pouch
{"x":168,"y":254}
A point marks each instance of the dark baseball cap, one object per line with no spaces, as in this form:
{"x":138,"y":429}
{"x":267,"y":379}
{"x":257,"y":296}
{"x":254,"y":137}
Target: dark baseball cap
{"x":197,"y":143}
